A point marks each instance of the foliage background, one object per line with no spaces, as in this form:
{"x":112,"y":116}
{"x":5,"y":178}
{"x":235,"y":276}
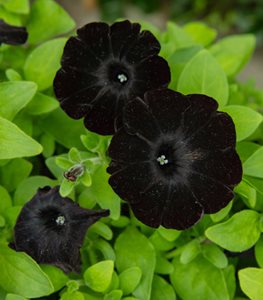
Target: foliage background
{"x":219,"y":258}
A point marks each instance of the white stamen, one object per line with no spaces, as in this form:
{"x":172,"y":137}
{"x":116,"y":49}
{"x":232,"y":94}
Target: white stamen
{"x":162,"y":160}
{"x":122,"y":78}
{"x":60,"y":220}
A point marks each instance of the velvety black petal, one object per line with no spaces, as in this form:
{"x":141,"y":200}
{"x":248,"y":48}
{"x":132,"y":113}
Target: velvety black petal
{"x":51,"y":229}
{"x":128,"y":150}
{"x":182,"y":210}
{"x":167,"y":107}
{"x":101,"y":117}
{"x":131,"y":181}
{"x":152,"y":73}
{"x":96,"y":37}
{"x":123,"y":35}
{"x":212,"y":194}
{"x":145,"y":46}
{"x":79,"y":104}
{"x":223,"y":166}
{"x":201,"y":109}
{"x":138,"y":120}
{"x":218,"y":133}
{"x":76,"y":56}
{"x":12,"y":35}
{"x":151,"y":206}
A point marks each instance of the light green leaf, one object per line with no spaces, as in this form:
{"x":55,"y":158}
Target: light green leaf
{"x":215,"y":255}
{"x":41,"y":27}
{"x":253,"y":166}
{"x":43,"y":62}
{"x":56,"y":276}
{"x":246,"y":120}
{"x":29,"y":186}
{"x":113,"y":295}
{"x":14,"y":172}
{"x":251,"y":282}
{"x":13,"y":75}
{"x":221,"y":214}
{"x":248,"y":194}
{"x":102,"y":229}
{"x":17,"y":6}
{"x":237,"y":234}
{"x":169,"y":234}
{"x":233,"y":52}
{"x":66,"y":187}
{"x":246,"y":149}
{"x":161,"y":289}
{"x":15,"y":143}
{"x":200,"y":33}
{"x":15,"y":95}
{"x":98,"y":276}
{"x":5,"y":201}
{"x":190,"y":251}
{"x":14,"y":297}
{"x":203,"y":75}
{"x":41,"y":104}
{"x":134,"y":250}
{"x":129,"y":279}
{"x":199,"y":280}
{"x":21,"y":275}
{"x":163,"y":266}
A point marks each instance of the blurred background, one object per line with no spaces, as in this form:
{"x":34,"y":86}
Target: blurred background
{"x":227,"y":17}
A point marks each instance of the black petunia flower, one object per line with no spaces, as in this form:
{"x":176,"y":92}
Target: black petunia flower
{"x":105,"y":66}
{"x":51,"y":229}
{"x":12,"y":35}
{"x":174,"y":159}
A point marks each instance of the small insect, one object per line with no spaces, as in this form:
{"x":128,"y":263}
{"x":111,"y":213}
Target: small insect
{"x":73,"y":173}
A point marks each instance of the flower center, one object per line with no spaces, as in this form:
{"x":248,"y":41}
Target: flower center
{"x":162,"y":160}
{"x":60,"y":220}
{"x":122,"y":78}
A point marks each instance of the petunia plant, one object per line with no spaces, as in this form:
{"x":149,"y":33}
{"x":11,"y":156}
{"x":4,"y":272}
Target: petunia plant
{"x":158,"y":194}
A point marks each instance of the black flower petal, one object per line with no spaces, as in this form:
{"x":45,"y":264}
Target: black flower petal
{"x":51,"y":229}
{"x":12,"y":35}
{"x":174,"y":159}
{"x":103,"y":67}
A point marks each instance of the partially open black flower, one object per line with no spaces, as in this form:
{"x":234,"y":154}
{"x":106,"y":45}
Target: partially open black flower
{"x":51,"y":229}
{"x":174,"y":159}
{"x":12,"y":35}
{"x":104,"y":67}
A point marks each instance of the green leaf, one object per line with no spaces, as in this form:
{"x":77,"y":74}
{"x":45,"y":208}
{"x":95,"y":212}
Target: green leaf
{"x":13,"y":75}
{"x":190,"y":251}
{"x":246,"y":149}
{"x":129,"y":279}
{"x":221,"y":214}
{"x":248,"y":194}
{"x":233,"y":52}
{"x":56,"y":276}
{"x":160,"y":243}
{"x":230,"y":279}
{"x":169,"y":234}
{"x":15,"y":95}
{"x":86,"y":179}
{"x":113,"y":295}
{"x":28,"y":188}
{"x":161,"y":289}
{"x":66,"y":187}
{"x":259,"y":252}
{"x":14,"y":297}
{"x":102,"y":229}
{"x":41,"y":104}
{"x":105,"y":248}
{"x":43,"y":62}
{"x":253,"y":166}
{"x":101,"y":191}
{"x":163,"y":266}
{"x":14,"y":172}
{"x":57,"y":123}
{"x":74,"y":155}
{"x":17,"y":6}
{"x":199,"y":280}
{"x":15,"y":143}
{"x":6,"y":201}
{"x":246,"y":120}
{"x":21,"y":275}
{"x":237,"y":234}
{"x":41,"y":27}
{"x":200,"y":33}
{"x":203,"y":75}
{"x":215,"y":255}
{"x":134,"y":250}
{"x":251,"y":282}
{"x":98,"y":276}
